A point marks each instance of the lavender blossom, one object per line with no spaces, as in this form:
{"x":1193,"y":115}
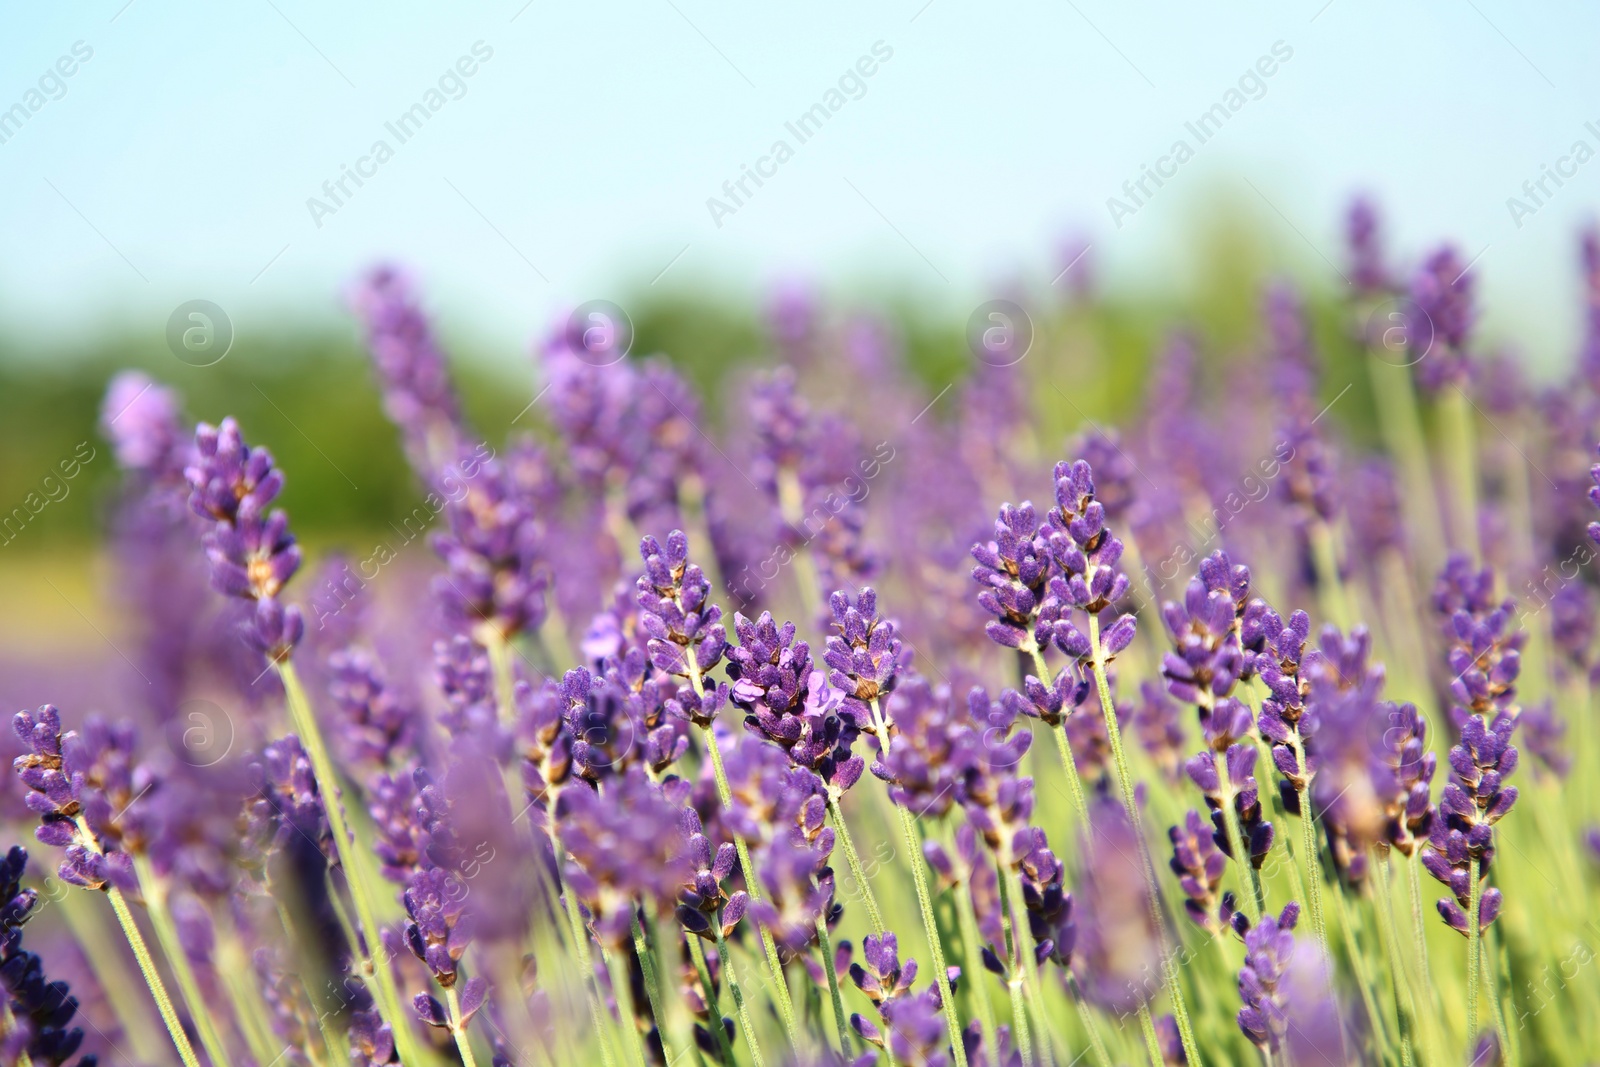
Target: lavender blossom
{"x":1199,"y":863}
{"x":864,"y":659}
{"x":624,"y":849}
{"x":1463,"y":828}
{"x":1270,"y":948}
{"x":1442,"y":292}
{"x":251,"y":551}
{"x":496,"y":575}
{"x":38,"y":1012}
{"x":686,"y":634}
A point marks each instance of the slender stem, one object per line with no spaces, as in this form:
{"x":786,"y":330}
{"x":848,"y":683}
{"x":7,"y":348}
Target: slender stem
{"x":1325,"y":557}
{"x":1473,"y":948}
{"x":1419,"y":934}
{"x":141,"y":954}
{"x":1255,"y":899}
{"x":1461,"y":447}
{"x":499,"y":649}
{"x":967,"y":916}
{"x":830,"y":968}
{"x":1069,"y":764}
{"x":1097,"y":1040}
{"x":719,"y":1033}
{"x":458,"y":1028}
{"x":248,"y":1006}
{"x":652,"y":984}
{"x":1027,"y":965}
{"x":1152,"y":1043}
{"x":857,"y":871}
{"x":1402,"y":429}
{"x":110,"y":969}
{"x":1313,"y":860}
{"x":1508,"y":1052}
{"x":1019,"y":1012}
{"x":925,"y":902}
{"x":1169,"y":969}
{"x":346,"y":848}
{"x":1404,"y":1011}
{"x":622,"y":987}
{"x":155,"y":898}
{"x":726,"y":960}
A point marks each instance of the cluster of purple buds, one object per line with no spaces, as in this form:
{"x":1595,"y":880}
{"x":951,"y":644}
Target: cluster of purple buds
{"x":1485,"y":652}
{"x":438,"y":934}
{"x":1045,"y":897}
{"x":705,"y":908}
{"x":39,"y":1012}
{"x":864,"y":659}
{"x":379,"y":727}
{"x":543,"y":743}
{"x":618,"y":718}
{"x":251,"y":551}
{"x":1240,"y":791}
{"x":686,"y":635}
{"x":1472,"y":802}
{"x":1084,"y":550}
{"x":1199,"y":864}
{"x":916,"y":1033}
{"x":1269,"y":948}
{"x":1441,"y":292}
{"x":418,"y":395}
{"x":799,"y":893}
{"x":1403,"y":776}
{"x":624,"y":848}
{"x":1286,"y":721}
{"x":285,"y":803}
{"x":784,"y":700}
{"x":495,"y":575}
{"x":1216,"y":634}
{"x":1014,"y":570}
{"x":63,"y":783}
{"x":1368,"y":271}
{"x":969,"y":870}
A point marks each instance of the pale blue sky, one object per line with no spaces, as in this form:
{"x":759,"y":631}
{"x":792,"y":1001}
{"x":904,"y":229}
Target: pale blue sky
{"x":579,"y":159}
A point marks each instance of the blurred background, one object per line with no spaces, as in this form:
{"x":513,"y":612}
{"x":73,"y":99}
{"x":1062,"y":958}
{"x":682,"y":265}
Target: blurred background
{"x":523,"y":157}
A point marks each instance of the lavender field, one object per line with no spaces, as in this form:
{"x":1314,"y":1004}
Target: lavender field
{"x":1234,"y":710}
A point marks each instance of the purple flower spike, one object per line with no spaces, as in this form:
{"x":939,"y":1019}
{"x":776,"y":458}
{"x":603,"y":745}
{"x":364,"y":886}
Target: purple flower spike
{"x":864,"y":657}
{"x":251,"y":551}
{"x":1368,"y":271}
{"x":686,"y":635}
{"x":38,"y":1012}
{"x":1013,"y":570}
{"x":1199,"y":864}
{"x":1273,"y":979}
{"x":1084,"y":550}
{"x":1441,"y":291}
{"x":440,"y":928}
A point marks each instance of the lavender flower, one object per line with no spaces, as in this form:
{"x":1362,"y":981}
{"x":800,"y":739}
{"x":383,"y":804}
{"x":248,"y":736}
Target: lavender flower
{"x":686,"y":634}
{"x":62,"y":774}
{"x":1485,"y":652}
{"x":1199,"y":863}
{"x":39,"y":1012}
{"x":624,"y":849}
{"x":1240,"y":760}
{"x":1087,"y":556}
{"x":1368,"y":271}
{"x":1475,"y":799}
{"x":1441,"y":291}
{"x":1270,"y":948}
{"x":1014,"y":570}
{"x":864,"y":659}
{"x":1402,"y":778}
{"x":496,"y":575}
{"x":251,"y":551}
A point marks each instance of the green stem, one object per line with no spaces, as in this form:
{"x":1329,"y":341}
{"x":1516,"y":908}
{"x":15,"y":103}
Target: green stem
{"x":1097,"y":1040}
{"x":652,"y":984}
{"x":967,"y":917}
{"x":248,"y":1007}
{"x":580,"y":945}
{"x":1402,"y":429}
{"x":1019,"y":1011}
{"x":726,"y":959}
{"x":1069,"y":764}
{"x":1400,"y":987}
{"x":1473,"y":948}
{"x":719,"y":1035}
{"x":141,"y":954}
{"x":458,"y":1029}
{"x":1325,"y":557}
{"x":155,"y":898}
{"x":1461,"y":447}
{"x":1508,"y":1052}
{"x":1152,"y":1043}
{"x":831,"y":970}
{"x":346,"y":849}
{"x":110,"y":968}
{"x":1255,"y":899}
{"x":1312,"y":853}
{"x":622,"y":987}
{"x":1169,"y":969}
{"x":1358,"y":965}
{"x":925,"y":902}
{"x":857,"y":871}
